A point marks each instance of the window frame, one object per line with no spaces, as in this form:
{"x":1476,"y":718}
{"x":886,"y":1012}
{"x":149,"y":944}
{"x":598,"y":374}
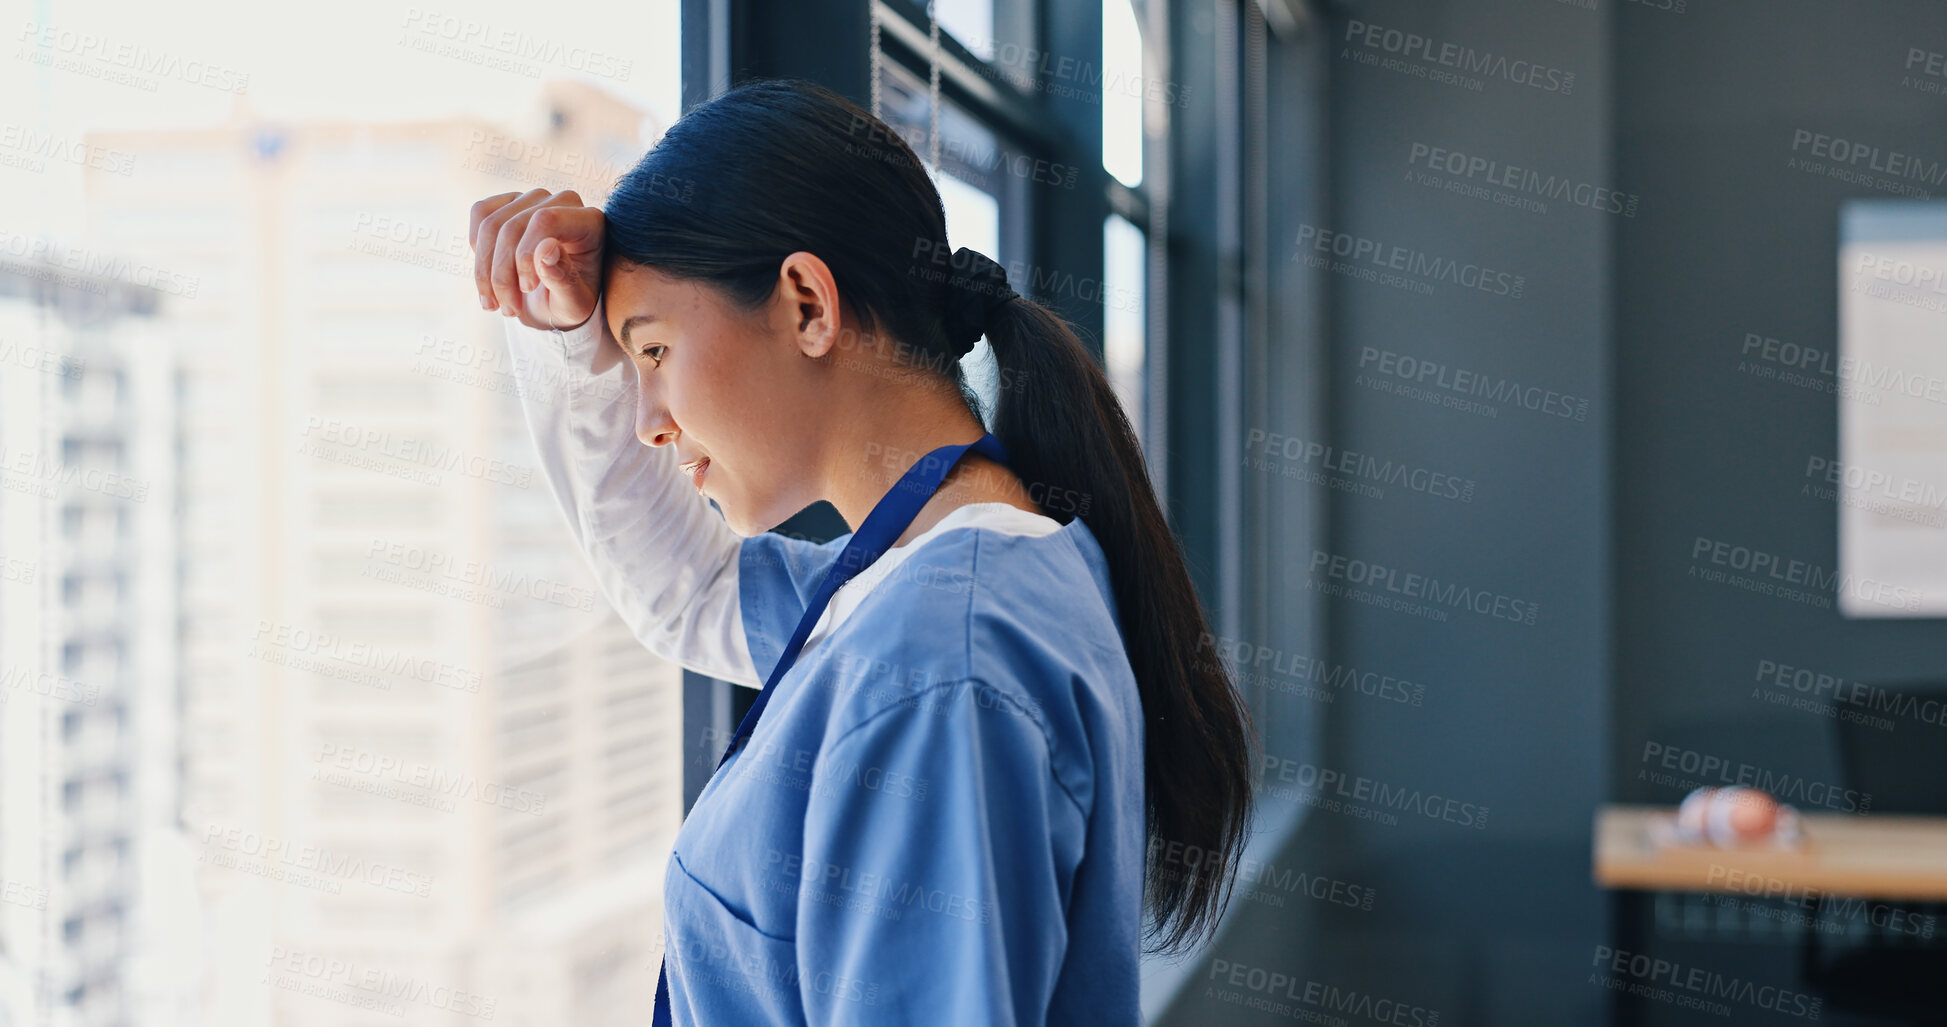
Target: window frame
{"x":729,"y":42}
{"x":1213,"y":179}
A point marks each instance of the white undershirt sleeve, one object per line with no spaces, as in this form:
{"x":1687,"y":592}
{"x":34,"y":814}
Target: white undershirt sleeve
{"x":663,"y":556}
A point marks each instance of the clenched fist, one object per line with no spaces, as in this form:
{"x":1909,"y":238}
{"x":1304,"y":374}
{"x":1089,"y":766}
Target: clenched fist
{"x":538,"y":256}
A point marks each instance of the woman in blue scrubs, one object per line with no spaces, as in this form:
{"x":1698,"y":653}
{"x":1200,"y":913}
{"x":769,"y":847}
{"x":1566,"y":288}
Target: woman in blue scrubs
{"x":989,"y":711}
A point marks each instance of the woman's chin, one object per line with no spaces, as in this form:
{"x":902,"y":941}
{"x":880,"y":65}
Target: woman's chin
{"x":751,"y":527}
{"x":742,"y":525}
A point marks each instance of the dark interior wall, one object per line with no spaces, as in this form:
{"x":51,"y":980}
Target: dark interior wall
{"x":1691,"y":117}
{"x":1716,"y":116}
{"x":1495,"y":923}
{"x":1635,"y":305}
{"x":1737,"y":240}
{"x":1513,"y":710}
{"x":1492,"y":924}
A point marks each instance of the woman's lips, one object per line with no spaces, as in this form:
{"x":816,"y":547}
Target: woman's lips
{"x":695,"y":469}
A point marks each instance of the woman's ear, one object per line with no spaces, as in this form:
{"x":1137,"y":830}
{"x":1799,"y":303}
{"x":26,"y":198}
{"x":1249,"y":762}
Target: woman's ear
{"x":809,"y":297}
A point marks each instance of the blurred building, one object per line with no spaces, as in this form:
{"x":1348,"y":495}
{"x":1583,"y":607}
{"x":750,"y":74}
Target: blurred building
{"x":87,"y":631}
{"x":422,"y":774}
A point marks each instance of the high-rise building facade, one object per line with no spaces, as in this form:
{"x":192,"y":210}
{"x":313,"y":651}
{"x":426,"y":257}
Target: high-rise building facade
{"x":425,"y":771}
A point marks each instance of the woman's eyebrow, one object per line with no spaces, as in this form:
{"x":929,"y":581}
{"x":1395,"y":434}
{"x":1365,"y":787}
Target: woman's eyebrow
{"x":631,"y":323}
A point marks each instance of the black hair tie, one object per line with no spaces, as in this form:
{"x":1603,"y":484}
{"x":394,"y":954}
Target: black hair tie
{"x":973,"y":292}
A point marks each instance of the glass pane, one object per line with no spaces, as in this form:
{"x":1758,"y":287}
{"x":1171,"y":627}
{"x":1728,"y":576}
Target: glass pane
{"x":348,"y":732}
{"x":997,"y":31}
{"x":969,"y":21}
{"x":970,"y":189}
{"x":973,"y":219}
{"x":1122,"y":92}
{"x":969,"y":151}
{"x":1124,"y":334}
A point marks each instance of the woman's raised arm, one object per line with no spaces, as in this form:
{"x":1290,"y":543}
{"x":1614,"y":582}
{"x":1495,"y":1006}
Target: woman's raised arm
{"x":664,"y":558}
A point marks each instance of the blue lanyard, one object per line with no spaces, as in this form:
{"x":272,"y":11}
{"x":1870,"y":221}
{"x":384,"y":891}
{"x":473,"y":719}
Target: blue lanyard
{"x":889,"y":518}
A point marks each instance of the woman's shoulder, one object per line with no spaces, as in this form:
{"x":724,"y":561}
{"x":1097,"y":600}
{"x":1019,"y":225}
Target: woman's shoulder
{"x":1029,"y":615}
{"x":1014,"y":602}
{"x":1006,"y":570}
{"x":1016,"y":627}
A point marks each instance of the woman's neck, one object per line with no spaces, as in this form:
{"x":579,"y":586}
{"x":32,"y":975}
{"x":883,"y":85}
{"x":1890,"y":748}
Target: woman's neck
{"x":975,"y":479}
{"x":866,"y":456}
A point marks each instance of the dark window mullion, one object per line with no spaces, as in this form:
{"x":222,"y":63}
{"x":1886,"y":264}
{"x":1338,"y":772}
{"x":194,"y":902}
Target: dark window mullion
{"x":965,"y":79}
{"x":728,"y":42}
{"x":1132,"y":204}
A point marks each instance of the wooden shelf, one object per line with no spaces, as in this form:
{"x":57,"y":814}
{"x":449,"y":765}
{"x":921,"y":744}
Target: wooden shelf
{"x":1876,"y":856}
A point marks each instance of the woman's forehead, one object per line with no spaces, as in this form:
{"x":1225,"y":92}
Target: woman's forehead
{"x":636,"y":285}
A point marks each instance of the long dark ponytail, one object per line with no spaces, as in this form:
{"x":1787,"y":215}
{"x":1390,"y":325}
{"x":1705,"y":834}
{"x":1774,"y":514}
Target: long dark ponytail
{"x":778,"y":166}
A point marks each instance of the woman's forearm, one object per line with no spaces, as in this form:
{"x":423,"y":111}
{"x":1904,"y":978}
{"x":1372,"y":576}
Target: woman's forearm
{"x":664,"y":558}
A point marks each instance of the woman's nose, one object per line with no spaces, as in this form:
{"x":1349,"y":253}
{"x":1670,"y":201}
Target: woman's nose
{"x":653,"y":425}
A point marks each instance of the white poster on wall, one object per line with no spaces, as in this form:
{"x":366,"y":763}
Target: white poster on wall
{"x":1891,"y":475}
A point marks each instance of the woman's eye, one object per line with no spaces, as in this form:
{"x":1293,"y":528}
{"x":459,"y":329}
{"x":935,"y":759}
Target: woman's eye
{"x":654,"y":353}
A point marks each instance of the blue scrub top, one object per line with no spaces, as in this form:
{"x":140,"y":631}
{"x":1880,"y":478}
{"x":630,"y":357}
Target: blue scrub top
{"x":939,"y":818}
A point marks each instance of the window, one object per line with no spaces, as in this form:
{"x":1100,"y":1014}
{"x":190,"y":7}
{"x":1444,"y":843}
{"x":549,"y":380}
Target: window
{"x":1123,"y":90}
{"x":993,"y":30}
{"x":1124,"y":344}
{"x":1031,"y":96}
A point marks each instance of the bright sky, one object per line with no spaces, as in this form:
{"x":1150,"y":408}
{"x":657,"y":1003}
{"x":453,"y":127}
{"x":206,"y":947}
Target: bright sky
{"x":347,"y":59}
{"x":351,"y":59}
